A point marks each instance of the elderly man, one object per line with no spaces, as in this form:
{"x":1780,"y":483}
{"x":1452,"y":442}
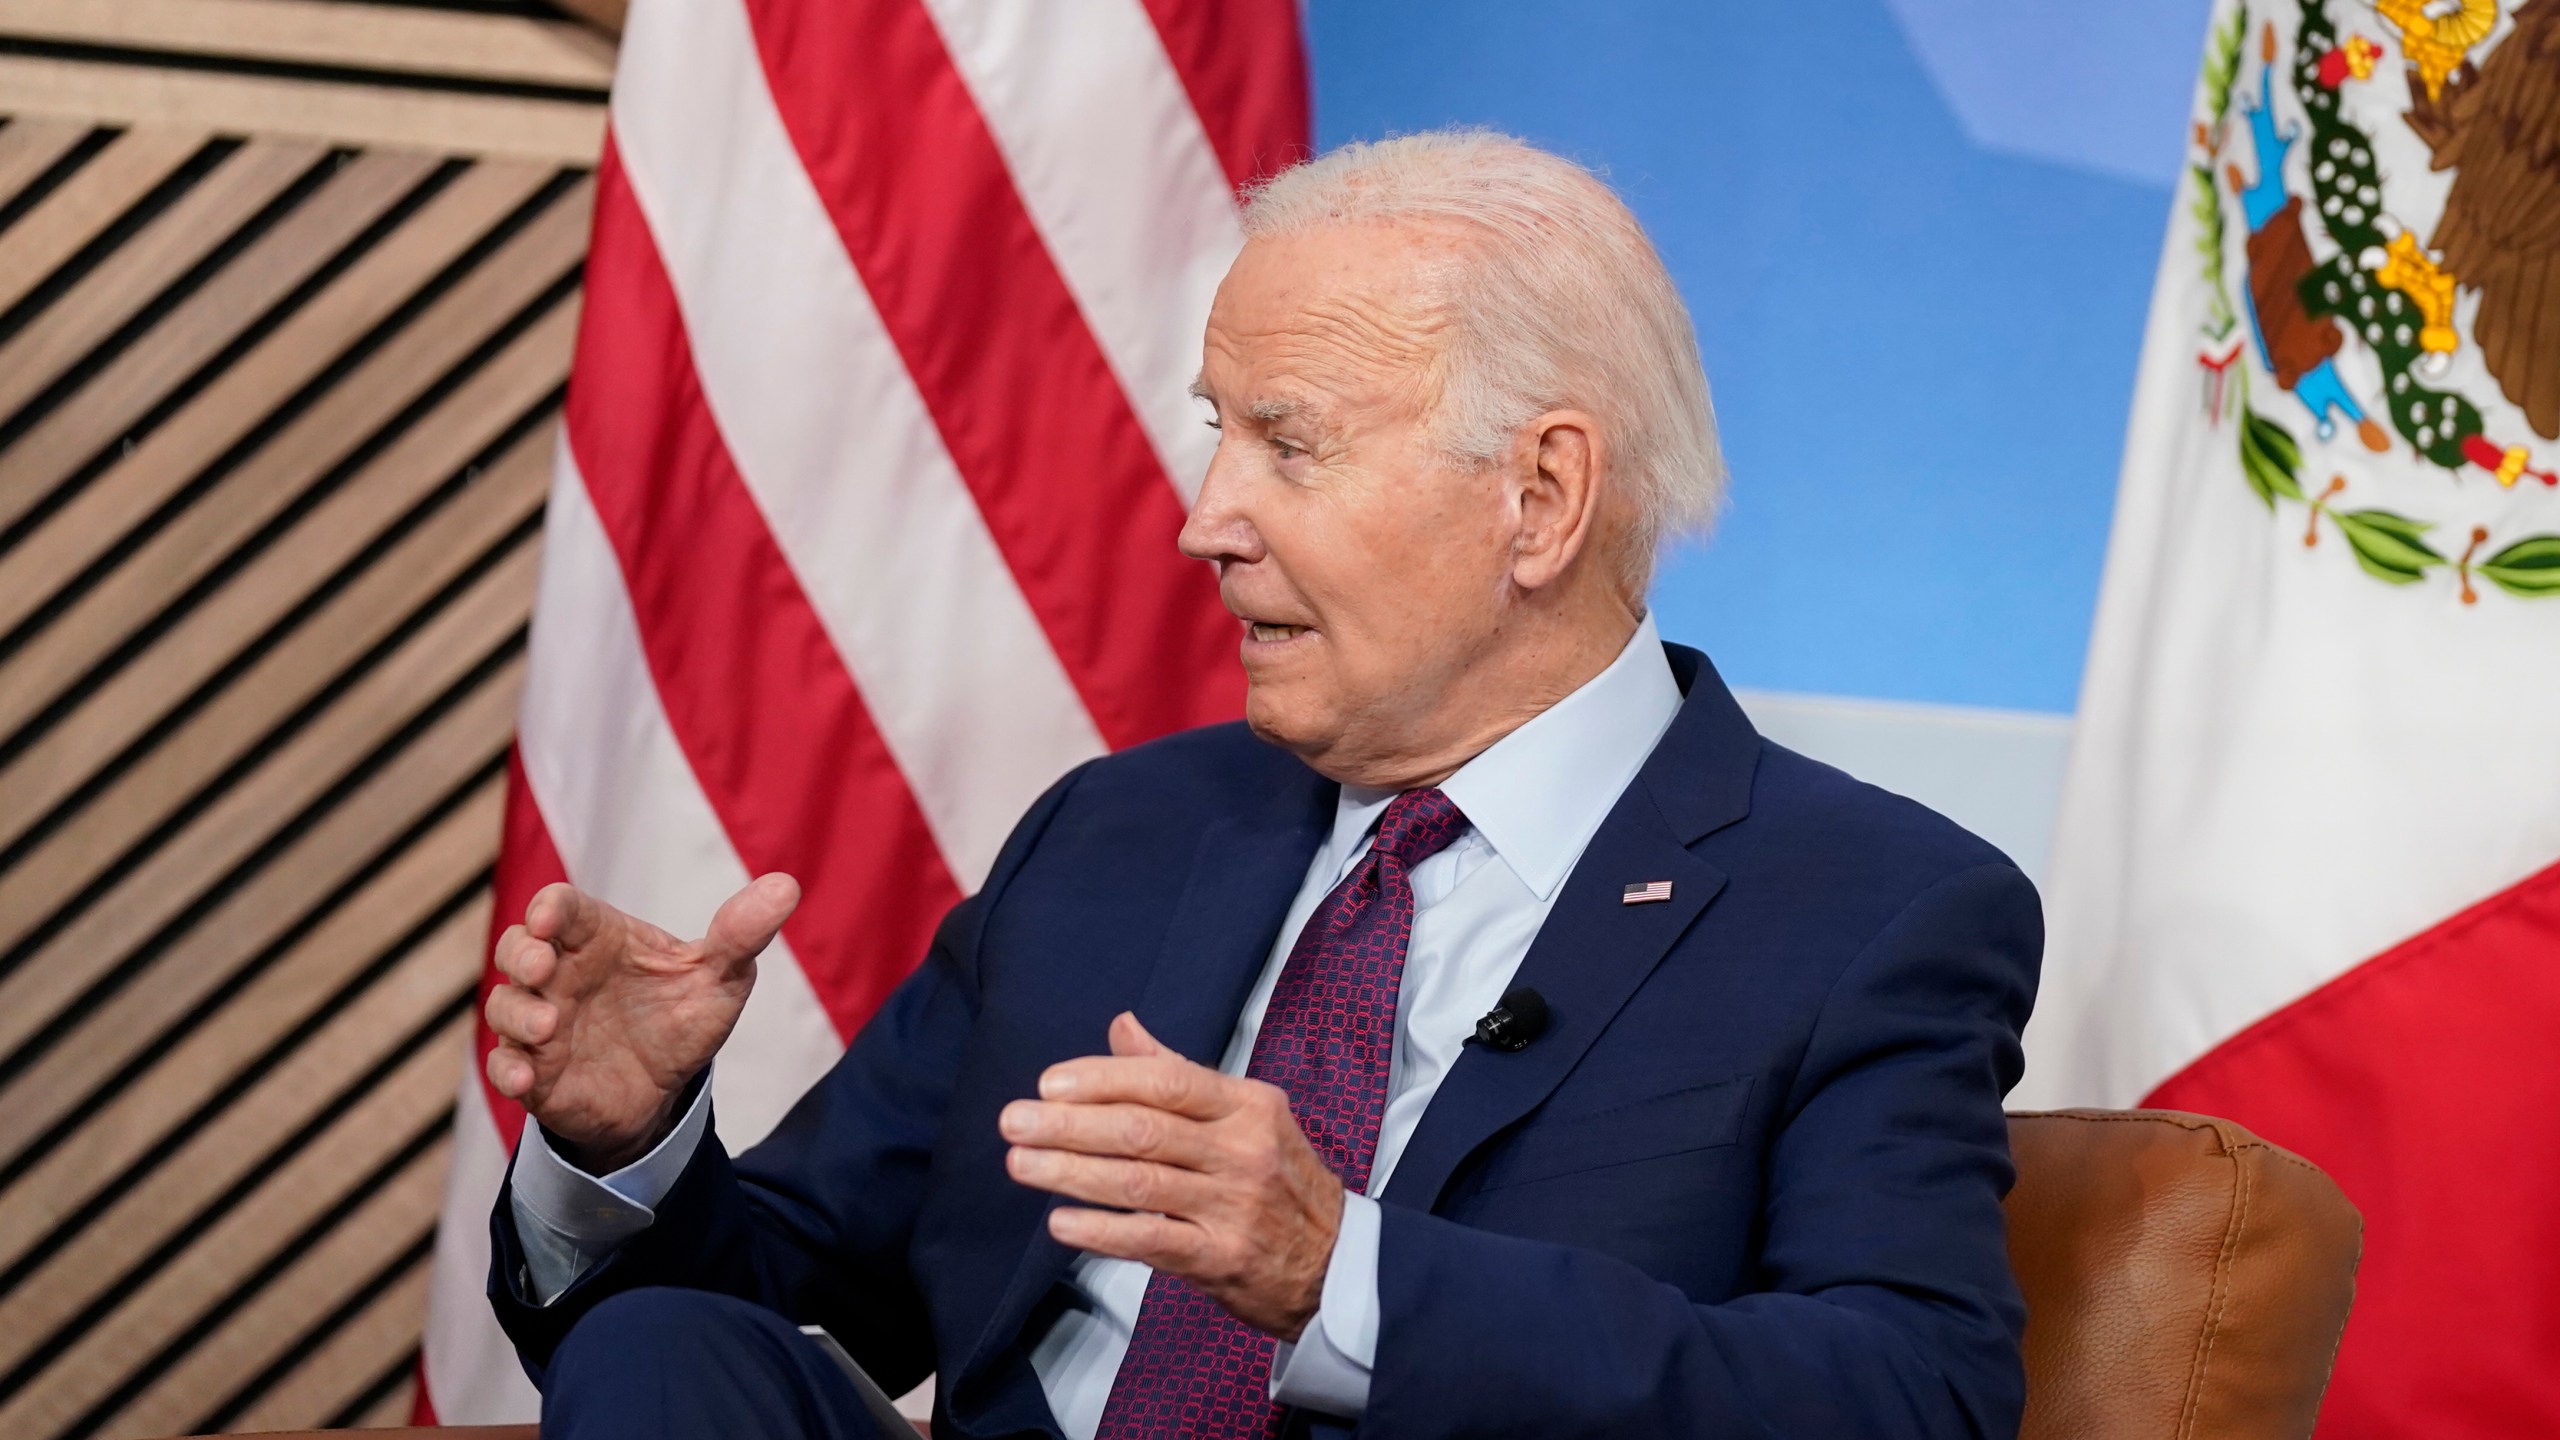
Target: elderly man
{"x":1734,"y":1168}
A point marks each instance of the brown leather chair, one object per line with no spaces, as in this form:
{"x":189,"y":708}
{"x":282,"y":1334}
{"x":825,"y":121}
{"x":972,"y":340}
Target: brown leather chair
{"x":2185,"y":1280}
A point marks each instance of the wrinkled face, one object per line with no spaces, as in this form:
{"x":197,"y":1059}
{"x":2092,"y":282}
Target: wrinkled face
{"x":1368,"y":571}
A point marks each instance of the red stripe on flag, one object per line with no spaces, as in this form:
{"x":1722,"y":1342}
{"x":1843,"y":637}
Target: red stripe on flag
{"x":1025,"y":401}
{"x":422,"y":1410}
{"x":1245,"y":67}
{"x":527,"y":861}
{"x":754,"y":690}
{"x":2422,"y":1081}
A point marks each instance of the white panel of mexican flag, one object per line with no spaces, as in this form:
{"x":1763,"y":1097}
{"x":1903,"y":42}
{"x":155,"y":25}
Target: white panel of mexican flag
{"x":2307,"y":873}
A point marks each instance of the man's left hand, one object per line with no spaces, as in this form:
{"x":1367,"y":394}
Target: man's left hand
{"x":1218,"y":1184}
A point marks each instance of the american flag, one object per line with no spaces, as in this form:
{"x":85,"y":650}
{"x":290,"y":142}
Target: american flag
{"x":862,"y":527}
{"x":1645,"y":893}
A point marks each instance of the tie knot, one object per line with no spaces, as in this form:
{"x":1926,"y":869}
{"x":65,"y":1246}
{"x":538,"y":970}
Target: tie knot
{"x":1418,"y":825}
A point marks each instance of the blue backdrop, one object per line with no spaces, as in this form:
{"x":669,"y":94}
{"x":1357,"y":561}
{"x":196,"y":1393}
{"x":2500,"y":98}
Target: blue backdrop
{"x":1918,"y":239}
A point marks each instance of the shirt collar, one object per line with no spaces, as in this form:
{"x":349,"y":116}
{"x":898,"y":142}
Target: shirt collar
{"x":1537,"y":794}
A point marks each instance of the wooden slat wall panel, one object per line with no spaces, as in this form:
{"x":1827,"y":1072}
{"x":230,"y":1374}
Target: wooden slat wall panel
{"x":401,"y":584}
{"x":280,"y":369}
{"x":70,"y":1282}
{"x":394,"y":398}
{"x":80,"y":851}
{"x":376,"y":1338}
{"x":290,"y":1029}
{"x":72,"y":213}
{"x":438,"y":658}
{"x":358,"y":190}
{"x":146,"y":469}
{"x":219,"y":202}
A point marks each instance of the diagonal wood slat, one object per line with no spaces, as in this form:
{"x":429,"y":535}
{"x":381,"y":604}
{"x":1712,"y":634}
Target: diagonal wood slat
{"x":319,"y":32}
{"x":387,"y":116}
{"x":390,"y":1225}
{"x":371,"y":1132}
{"x":30,"y":146}
{"x":392,"y":1409}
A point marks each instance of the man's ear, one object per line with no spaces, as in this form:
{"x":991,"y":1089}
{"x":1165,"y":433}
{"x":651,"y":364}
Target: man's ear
{"x":1559,"y":499}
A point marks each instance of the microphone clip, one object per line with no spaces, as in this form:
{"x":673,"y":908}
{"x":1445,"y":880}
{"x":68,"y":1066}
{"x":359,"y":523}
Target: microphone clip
{"x":1511,"y":1025}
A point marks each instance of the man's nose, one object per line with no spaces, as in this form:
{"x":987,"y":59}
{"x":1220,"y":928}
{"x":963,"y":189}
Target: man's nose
{"x":1218,"y":527}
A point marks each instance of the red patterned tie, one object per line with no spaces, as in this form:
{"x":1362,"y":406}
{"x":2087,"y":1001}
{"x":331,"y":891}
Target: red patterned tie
{"x":1194,"y":1372}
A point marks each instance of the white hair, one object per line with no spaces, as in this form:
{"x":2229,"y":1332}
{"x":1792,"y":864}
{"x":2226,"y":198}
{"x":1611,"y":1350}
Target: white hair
{"x":1557,"y":301}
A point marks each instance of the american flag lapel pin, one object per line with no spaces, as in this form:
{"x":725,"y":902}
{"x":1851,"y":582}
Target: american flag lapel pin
{"x":1646,"y":893}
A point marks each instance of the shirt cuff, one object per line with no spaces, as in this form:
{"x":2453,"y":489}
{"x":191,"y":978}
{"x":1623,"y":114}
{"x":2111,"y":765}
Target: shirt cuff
{"x":1328,"y":1368}
{"x":569,"y":1220}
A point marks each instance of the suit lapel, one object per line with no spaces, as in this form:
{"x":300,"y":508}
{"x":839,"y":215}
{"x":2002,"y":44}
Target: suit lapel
{"x":1245,"y":871}
{"x":1594,"y":950}
{"x":1588,"y":958}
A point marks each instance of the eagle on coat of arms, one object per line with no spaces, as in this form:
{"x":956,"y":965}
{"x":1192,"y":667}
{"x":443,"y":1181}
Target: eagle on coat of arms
{"x":2334,"y":255}
{"x":2496,"y":125}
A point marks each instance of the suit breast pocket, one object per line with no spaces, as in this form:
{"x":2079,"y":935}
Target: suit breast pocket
{"x":1695,"y":1117}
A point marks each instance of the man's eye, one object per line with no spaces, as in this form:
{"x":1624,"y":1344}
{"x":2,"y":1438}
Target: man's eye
{"x":1287,"y":450}
{"x":1212,"y":422}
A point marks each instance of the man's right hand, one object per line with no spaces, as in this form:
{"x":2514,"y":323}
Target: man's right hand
{"x":607,"y":1018}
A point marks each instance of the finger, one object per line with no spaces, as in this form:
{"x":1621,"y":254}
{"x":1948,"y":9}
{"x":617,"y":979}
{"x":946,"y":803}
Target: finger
{"x":1095,"y":1179}
{"x":1137,"y":1132}
{"x":510,"y":1071}
{"x":521,"y":1016}
{"x":1176,"y":1247}
{"x":563,"y":914}
{"x":1128,"y":1037}
{"x":530,"y":963}
{"x":503,"y":954}
{"x":747,"y":921}
{"x":1164,"y":1082}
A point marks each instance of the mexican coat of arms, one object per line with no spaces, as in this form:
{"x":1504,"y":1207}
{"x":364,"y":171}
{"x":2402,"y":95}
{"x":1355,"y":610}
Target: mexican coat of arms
{"x":2377,"y":198}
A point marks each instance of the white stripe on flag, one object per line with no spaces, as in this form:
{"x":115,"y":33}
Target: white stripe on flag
{"x":880,"y":531}
{"x":1130,"y":199}
{"x":471,"y":1372}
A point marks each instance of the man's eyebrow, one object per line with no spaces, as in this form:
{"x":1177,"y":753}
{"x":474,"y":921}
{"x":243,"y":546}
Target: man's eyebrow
{"x":1265,"y":410}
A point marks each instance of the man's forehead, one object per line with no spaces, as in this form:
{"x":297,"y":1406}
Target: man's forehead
{"x":1351,"y":276}
{"x":1287,"y":337}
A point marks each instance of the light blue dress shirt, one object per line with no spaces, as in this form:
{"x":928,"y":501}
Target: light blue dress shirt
{"x":1532,"y":800}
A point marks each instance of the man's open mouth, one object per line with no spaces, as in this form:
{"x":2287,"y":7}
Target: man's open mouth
{"x":1274,"y":633}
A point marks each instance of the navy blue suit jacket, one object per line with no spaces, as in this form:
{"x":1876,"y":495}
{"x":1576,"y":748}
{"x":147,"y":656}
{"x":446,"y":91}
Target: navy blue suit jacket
{"x":1748,"y":1182}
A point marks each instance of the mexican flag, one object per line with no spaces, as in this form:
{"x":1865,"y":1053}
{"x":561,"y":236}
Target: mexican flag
{"x":2307,"y":873}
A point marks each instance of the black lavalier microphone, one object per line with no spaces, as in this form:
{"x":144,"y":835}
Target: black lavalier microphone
{"x":1519,"y":1019}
